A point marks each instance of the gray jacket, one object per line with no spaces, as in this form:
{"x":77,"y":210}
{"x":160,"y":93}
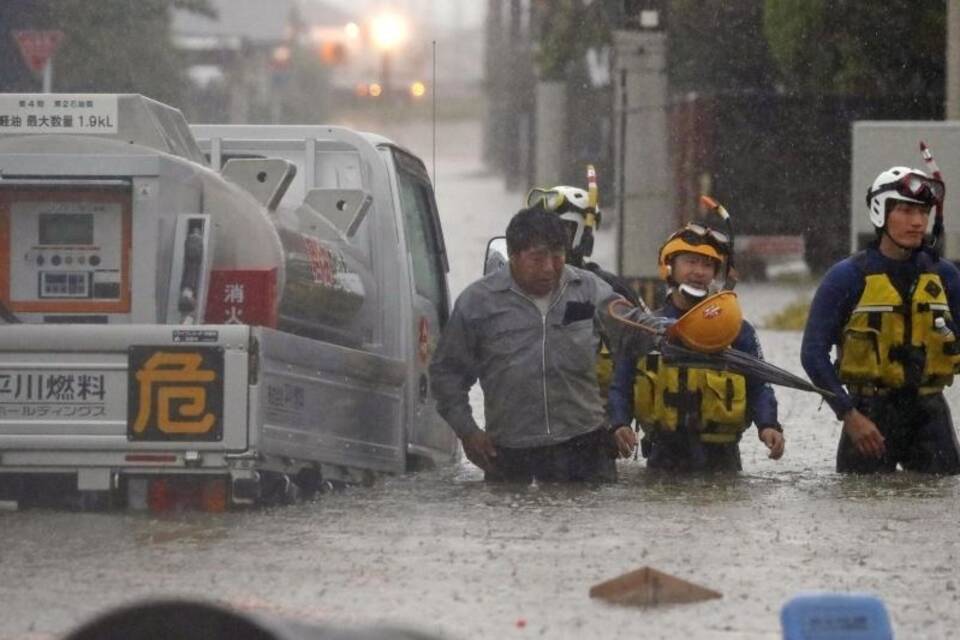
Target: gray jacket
{"x":538,"y":374}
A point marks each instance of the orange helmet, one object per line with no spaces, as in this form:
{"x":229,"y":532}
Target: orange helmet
{"x":693,"y":238}
{"x":711,"y":325}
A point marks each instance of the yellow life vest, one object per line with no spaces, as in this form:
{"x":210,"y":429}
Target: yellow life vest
{"x":714,"y":401}
{"x":889,"y":344}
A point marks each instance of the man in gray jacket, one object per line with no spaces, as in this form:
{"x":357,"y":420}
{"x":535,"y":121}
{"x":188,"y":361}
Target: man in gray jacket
{"x":529,"y":334}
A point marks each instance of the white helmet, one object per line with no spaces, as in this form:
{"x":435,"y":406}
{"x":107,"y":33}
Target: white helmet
{"x":572,"y":205}
{"x":901,"y":184}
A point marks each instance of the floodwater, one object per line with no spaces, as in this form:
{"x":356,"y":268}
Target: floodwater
{"x":442,"y":552}
{"x":445,"y":553}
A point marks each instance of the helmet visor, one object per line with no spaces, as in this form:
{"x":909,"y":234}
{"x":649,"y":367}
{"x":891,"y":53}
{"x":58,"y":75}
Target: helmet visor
{"x":697,"y":234}
{"x":916,"y":187}
{"x":706,"y":232}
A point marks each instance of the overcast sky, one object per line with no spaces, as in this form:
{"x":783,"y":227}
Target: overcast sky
{"x":446,"y":13}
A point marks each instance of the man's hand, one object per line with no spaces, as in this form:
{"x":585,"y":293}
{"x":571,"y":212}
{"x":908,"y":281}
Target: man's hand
{"x":864,"y":434}
{"x":625,"y":440}
{"x":479,"y":449}
{"x":775,"y":442}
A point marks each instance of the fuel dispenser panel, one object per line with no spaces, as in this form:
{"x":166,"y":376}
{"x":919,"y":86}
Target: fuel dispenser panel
{"x":67,"y":250}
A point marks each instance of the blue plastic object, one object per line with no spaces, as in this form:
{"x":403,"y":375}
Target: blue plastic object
{"x":835,"y":616}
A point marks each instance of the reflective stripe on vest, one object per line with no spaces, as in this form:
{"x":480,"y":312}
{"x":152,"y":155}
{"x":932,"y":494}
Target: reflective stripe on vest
{"x":714,"y":401}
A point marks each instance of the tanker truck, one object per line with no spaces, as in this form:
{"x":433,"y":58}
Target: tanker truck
{"x":212,"y":316}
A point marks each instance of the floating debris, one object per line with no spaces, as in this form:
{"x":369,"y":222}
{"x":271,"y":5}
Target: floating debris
{"x":647,"y":587}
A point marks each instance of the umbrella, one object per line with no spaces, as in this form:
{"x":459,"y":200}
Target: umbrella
{"x":738,"y":362}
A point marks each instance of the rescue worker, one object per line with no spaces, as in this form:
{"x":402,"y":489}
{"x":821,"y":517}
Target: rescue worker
{"x":529,"y":333}
{"x":891,"y":310}
{"x":692,"y":418}
{"x":580,"y":217}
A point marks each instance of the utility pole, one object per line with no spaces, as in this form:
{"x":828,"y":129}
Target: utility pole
{"x":493,"y":78}
{"x":48,"y":76}
{"x":514,"y":83}
{"x":952,"y":110}
{"x":643,"y":171}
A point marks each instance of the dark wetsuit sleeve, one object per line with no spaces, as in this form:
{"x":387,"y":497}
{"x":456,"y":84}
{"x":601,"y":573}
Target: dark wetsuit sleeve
{"x":761,"y":400}
{"x":950,"y":276}
{"x":832,"y":305}
{"x":618,"y":284}
{"x":620,"y":395}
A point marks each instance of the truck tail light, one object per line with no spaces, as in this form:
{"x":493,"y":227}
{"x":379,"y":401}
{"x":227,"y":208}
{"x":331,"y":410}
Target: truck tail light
{"x":208,"y":494}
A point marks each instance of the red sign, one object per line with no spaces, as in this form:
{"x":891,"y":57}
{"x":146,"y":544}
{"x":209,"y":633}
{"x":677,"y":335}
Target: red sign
{"x":37,"y":47}
{"x":242,"y":297}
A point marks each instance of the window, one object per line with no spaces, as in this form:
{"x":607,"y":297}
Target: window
{"x":423,"y":243}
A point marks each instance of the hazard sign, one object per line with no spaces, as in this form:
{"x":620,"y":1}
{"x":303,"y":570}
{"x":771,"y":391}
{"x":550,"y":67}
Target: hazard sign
{"x":37,"y":47}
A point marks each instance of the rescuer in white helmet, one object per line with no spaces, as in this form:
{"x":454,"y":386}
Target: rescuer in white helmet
{"x":891,"y":310}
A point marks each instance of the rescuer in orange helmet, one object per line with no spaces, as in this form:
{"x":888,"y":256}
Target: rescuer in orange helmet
{"x":692,"y":418}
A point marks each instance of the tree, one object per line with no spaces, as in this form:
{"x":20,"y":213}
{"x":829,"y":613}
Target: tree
{"x":858,"y":47}
{"x":568,"y":28}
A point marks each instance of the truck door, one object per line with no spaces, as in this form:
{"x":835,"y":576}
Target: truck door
{"x":424,"y":239}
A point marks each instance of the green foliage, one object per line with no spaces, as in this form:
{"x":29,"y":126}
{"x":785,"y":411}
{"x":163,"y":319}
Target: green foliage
{"x":857,"y":47}
{"x":119,"y":46}
{"x":713,"y":45}
{"x":568,"y":29}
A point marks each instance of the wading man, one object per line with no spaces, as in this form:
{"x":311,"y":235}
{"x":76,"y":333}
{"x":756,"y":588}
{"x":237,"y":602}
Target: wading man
{"x":529,"y":333}
{"x":580,"y":218}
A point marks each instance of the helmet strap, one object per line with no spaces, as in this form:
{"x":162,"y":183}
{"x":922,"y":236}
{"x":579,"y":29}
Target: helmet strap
{"x":692,"y":295}
{"x":936,"y":241}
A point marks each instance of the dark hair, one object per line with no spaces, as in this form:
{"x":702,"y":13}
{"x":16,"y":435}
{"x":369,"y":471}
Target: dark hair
{"x":535,"y":227}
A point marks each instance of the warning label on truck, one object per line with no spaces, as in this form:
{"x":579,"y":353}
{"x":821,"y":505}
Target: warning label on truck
{"x":58,"y":113}
{"x":195,"y":335}
{"x":175,"y":393}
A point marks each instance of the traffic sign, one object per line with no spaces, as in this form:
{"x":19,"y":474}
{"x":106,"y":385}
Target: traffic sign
{"x":37,"y":47}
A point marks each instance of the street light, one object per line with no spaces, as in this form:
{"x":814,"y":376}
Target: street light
{"x":389,"y":31}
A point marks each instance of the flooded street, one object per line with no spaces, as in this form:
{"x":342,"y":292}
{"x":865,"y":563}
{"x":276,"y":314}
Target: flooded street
{"x":442,"y":552}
